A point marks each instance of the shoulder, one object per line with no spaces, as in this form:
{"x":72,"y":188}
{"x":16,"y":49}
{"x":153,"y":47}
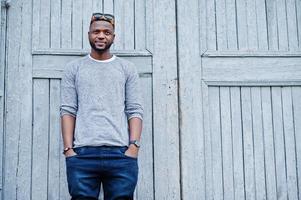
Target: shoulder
{"x":72,"y":66}
{"x":128,"y":66}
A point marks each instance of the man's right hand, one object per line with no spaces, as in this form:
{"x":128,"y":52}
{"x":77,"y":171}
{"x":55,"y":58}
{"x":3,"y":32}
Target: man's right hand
{"x":70,"y":153}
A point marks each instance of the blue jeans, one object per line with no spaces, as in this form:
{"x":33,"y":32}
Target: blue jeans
{"x":93,"y":166}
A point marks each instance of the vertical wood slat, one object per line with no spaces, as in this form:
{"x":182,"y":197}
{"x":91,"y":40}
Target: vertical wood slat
{"x":97,"y":6}
{"x":261,"y":24}
{"x":149,"y":21}
{"x":119,"y":27}
{"x":292,"y":25}
{"x":18,"y":102}
{"x":226,"y":133}
{"x":282,"y":25}
{"x":251,"y":25}
{"x":165,"y":98}
{"x":211,"y":27}
{"x":296,"y":95}
{"x":55,"y":24}
{"x":298,"y":5}
{"x":77,"y":24}
{"x":36,"y":24}
{"x":279,"y":144}
{"x":145,"y":189}
{"x":128,"y":26}
{"x":221,"y":25}
{"x":216,"y":144}
{"x":242,"y":25}
{"x":108,"y":6}
{"x":66,"y":30}
{"x":231,"y":24}
{"x":269,"y":143}
{"x":258,"y":143}
{"x":40,"y":139}
{"x":290,"y":146}
{"x":208,"y":149}
{"x":237,"y":137}
{"x":248,"y":143}
{"x":86,"y":15}
{"x":139,"y":21}
{"x":54,"y":140}
{"x":45,"y":24}
{"x":272,"y":24}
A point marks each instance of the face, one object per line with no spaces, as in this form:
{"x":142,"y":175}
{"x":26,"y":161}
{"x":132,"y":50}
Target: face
{"x":101,"y":35}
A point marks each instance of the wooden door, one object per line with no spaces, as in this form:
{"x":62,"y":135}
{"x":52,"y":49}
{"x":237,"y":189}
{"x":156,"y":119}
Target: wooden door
{"x":43,"y":36}
{"x":240,"y":89}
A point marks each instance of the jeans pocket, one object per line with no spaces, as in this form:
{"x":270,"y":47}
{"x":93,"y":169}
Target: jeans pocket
{"x":123,"y":150}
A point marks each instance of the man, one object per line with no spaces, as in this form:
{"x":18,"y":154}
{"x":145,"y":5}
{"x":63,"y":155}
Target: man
{"x":101,"y":117}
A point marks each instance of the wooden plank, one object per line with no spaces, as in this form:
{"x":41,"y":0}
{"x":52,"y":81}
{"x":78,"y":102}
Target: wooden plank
{"x":192,"y":148}
{"x":145,"y":187}
{"x":77,"y":24}
{"x":202,"y":18}
{"x":128,"y":26}
{"x":268,"y":143}
{"x":36,"y":24}
{"x":40,"y":140}
{"x":165,"y":102}
{"x":140,"y":29}
{"x":55,"y":26}
{"x":252,"y":69}
{"x":258,"y":143}
{"x":120,"y":23}
{"x":248,"y":143}
{"x":97,"y":6}
{"x":216,"y":143}
{"x":282,"y":25}
{"x":221,"y":24}
{"x":231,"y":24}
{"x":272,"y":24}
{"x":2,"y":76}
{"x":63,"y":191}
{"x":54,"y":140}
{"x":226,"y":134}
{"x":279,"y":143}
{"x":44,"y":24}
{"x":242,"y":31}
{"x":149,"y":20}
{"x":237,"y":141}
{"x":252,"y":25}
{"x":18,"y":103}
{"x":208,"y":143}
{"x":66,"y":17}
{"x":296,"y":93}
{"x":292,"y":25}
{"x":298,"y":6}
{"x":211,"y":25}
{"x":262,"y":27}
{"x":290,"y":143}
{"x":87,"y":13}
{"x":43,"y":64}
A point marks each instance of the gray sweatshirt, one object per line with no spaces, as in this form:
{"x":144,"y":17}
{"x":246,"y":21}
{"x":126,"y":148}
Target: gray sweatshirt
{"x":103,"y":96}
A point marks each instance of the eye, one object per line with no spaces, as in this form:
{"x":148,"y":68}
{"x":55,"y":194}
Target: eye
{"x":108,"y":33}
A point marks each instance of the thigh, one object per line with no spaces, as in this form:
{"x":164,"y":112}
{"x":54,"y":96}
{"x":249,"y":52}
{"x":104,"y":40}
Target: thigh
{"x":120,"y":180}
{"x":82,"y":176}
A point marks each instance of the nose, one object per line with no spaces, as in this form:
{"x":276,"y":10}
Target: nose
{"x":101,"y":35}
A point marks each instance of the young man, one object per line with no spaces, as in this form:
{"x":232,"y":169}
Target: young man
{"x":101,"y":116}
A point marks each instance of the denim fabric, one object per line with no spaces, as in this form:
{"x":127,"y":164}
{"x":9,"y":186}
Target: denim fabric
{"x":93,"y":166}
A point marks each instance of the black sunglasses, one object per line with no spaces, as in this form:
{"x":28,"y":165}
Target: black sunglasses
{"x":101,"y":16}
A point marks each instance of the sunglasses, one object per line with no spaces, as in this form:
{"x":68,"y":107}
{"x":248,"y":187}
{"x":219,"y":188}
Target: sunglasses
{"x":101,"y":16}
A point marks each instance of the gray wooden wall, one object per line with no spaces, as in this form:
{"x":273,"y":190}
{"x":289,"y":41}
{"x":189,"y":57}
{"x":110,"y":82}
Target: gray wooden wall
{"x":221,"y":82}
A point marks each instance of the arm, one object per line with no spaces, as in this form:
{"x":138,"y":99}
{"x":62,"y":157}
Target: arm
{"x":68,"y":108}
{"x":133,"y":108}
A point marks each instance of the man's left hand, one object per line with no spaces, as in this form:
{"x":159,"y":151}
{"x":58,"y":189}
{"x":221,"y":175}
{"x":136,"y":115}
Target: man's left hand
{"x":132,"y":151}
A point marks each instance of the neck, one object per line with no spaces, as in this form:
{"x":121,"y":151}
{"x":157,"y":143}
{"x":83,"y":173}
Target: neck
{"x":101,"y":55}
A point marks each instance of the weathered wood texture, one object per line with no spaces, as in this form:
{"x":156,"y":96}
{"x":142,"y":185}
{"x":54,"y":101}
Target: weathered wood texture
{"x":239,"y":80}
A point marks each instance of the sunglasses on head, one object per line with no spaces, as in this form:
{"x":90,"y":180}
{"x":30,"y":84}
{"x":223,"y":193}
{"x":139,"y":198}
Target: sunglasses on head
{"x":101,"y":16}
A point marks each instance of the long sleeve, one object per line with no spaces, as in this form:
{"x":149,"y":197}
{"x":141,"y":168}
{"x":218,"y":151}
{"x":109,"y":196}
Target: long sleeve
{"x":68,"y":92}
{"x":133,"y":99}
